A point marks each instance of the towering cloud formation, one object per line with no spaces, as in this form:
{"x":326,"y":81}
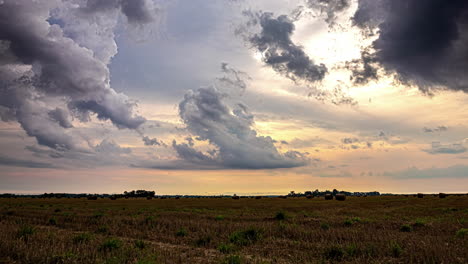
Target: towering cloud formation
{"x":424,"y":42}
{"x":207,"y":116}
{"x":285,"y":57}
{"x":53,"y":63}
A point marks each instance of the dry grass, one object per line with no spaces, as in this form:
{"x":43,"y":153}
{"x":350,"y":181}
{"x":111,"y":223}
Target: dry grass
{"x":358,"y":230}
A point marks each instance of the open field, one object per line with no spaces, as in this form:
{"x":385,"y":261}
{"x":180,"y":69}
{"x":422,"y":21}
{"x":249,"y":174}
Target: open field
{"x":393,"y":229}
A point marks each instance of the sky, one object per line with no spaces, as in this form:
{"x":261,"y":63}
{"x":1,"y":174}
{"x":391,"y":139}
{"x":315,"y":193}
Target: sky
{"x":233,"y":96}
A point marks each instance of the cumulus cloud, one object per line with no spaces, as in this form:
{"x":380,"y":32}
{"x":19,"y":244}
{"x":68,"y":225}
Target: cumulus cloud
{"x":54,"y":62}
{"x":424,"y":42}
{"x":279,"y":51}
{"x":151,"y":141}
{"x":234,"y":142}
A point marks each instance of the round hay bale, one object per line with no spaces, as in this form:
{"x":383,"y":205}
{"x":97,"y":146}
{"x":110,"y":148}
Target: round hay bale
{"x":442,"y":195}
{"x":235,"y":197}
{"x":328,"y":196}
{"x":309,"y":196}
{"x":258,"y":197}
{"x":420,"y":195}
{"x":340,"y":197}
{"x":149,"y":198}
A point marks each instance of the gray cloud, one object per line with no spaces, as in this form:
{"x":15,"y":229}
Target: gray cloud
{"x":7,"y":161}
{"x":457,"y":171}
{"x":151,"y":141}
{"x":424,"y":42}
{"x":230,"y":132}
{"x":329,"y":7}
{"x":136,"y":11}
{"x":52,"y":59}
{"x":438,"y":148}
{"x":435,"y":130}
{"x":279,"y":51}
{"x":349,"y":140}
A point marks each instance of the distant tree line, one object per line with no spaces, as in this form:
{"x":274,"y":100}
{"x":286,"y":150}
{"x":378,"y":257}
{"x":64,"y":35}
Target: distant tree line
{"x":130,"y":194}
{"x":317,"y":193}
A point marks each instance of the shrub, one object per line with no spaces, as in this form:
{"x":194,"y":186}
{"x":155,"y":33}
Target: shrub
{"x":140,"y":244}
{"x":226,"y":248}
{"x":245,"y":238}
{"x":334,"y":252}
{"x":352,"y":250}
{"x":348,"y":222}
{"x":26,"y":231}
{"x":233,"y":259}
{"x":81,"y":238}
{"x":219,"y":217}
{"x":103,"y":230}
{"x":181,"y":232}
{"x":406,"y":228}
{"x":52,"y":221}
{"x":395,"y":249}
{"x":110,"y":244}
{"x":325,"y":226}
{"x":280,"y":216}
{"x":462,"y":233}
{"x":203,"y":241}
{"x":419,"y":223}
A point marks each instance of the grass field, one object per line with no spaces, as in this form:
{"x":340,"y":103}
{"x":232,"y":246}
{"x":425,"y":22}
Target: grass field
{"x":393,"y":229}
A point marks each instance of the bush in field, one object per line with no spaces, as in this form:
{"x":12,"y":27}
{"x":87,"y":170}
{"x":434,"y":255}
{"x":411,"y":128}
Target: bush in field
{"x":203,"y":241}
{"x":245,"y":238}
{"x":281,"y":216}
{"x":139,"y":244}
{"x":52,"y":221}
{"x":334,"y":252}
{"x":406,"y":228}
{"x":102,"y":230}
{"x":348,"y":222}
{"x":233,"y":259}
{"x":226,"y":248}
{"x":110,"y":244}
{"x":181,"y":232}
{"x":25,"y":232}
{"x":419,"y":223}
{"x":82,"y":238}
{"x":395,"y":249}
{"x":324,"y":226}
{"x":462,"y":233}
{"x":219,"y":217}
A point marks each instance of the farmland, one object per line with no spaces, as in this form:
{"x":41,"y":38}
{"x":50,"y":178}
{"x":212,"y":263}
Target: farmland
{"x":385,"y":229}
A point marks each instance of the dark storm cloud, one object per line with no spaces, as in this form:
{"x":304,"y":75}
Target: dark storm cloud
{"x":229,"y":131}
{"x":136,"y":11}
{"x":50,"y":69}
{"x":424,"y":42}
{"x":279,"y":51}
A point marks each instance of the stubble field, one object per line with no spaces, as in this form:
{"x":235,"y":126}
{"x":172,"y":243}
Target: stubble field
{"x":386,"y":229}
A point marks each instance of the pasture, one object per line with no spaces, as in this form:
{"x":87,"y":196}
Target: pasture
{"x":385,"y":229}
